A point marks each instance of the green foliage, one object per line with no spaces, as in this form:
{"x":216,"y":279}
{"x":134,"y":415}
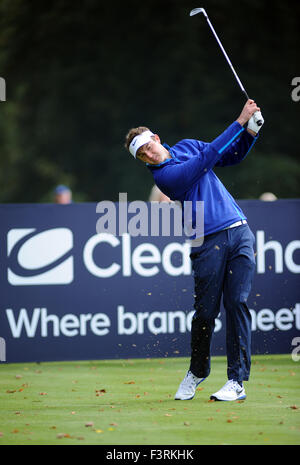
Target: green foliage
{"x":261,"y":173}
{"x":80,"y":74}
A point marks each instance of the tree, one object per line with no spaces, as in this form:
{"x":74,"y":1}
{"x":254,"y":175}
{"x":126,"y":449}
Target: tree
{"x":79,"y":75}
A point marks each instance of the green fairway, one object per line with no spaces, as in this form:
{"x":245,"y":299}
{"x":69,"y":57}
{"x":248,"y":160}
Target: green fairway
{"x":118,"y":402}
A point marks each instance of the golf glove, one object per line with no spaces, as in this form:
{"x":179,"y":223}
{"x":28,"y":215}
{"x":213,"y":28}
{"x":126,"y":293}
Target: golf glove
{"x":252,"y":123}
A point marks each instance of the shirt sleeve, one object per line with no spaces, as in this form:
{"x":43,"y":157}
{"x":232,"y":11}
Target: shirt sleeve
{"x":236,"y":151}
{"x":180,"y":177}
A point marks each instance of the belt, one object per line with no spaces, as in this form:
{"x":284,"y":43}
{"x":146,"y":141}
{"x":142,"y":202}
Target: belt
{"x":237,"y":223}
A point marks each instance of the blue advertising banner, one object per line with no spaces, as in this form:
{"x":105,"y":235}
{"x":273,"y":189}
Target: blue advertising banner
{"x":68,"y":292}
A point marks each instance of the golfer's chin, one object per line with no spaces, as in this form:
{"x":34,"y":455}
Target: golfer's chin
{"x":155,"y":160}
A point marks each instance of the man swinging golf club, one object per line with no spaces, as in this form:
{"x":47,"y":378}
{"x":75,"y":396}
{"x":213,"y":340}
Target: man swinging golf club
{"x":224,"y":263}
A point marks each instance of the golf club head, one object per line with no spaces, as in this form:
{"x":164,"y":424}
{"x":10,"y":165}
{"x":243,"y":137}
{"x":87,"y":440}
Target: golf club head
{"x":195,"y":11}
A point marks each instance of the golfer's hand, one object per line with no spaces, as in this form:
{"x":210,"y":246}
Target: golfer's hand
{"x":255,"y":123}
{"x":249,"y":109}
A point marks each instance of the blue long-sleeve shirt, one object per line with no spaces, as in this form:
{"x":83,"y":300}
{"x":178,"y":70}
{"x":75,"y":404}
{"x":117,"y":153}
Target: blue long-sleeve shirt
{"x":189,"y":176}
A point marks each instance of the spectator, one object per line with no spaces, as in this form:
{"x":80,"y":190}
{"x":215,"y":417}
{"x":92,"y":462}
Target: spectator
{"x":268,"y":197}
{"x":157,"y":195}
{"x":62,"y":195}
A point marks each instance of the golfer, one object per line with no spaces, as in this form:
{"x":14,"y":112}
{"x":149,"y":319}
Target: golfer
{"x":224,"y":264}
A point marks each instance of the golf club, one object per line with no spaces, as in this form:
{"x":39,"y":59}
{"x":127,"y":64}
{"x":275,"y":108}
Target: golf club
{"x":194,"y":12}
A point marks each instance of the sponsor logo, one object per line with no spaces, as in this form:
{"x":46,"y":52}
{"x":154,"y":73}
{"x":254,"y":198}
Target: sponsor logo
{"x":40,"y":258}
{"x":46,"y":257}
{"x":280,"y":255}
{"x":145,"y":260}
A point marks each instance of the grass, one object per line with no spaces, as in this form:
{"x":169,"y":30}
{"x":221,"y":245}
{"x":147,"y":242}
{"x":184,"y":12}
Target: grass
{"x":118,"y":402}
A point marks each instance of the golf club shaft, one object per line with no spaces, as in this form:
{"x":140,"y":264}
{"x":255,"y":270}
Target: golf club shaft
{"x":227,"y":58}
{"x":201,"y":10}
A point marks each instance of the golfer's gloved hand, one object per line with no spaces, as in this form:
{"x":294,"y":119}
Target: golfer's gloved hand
{"x":252,"y":123}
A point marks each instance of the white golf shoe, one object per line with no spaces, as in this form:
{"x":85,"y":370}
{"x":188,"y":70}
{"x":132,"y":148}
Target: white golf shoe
{"x":187,"y":388}
{"x":231,"y":390}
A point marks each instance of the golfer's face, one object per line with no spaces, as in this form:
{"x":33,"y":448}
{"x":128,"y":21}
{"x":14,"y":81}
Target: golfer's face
{"x":152,"y":152}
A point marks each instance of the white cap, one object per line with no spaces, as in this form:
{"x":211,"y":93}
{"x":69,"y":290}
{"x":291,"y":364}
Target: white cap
{"x":140,"y":140}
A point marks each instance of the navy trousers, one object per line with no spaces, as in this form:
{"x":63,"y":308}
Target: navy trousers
{"x":223,"y":265}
